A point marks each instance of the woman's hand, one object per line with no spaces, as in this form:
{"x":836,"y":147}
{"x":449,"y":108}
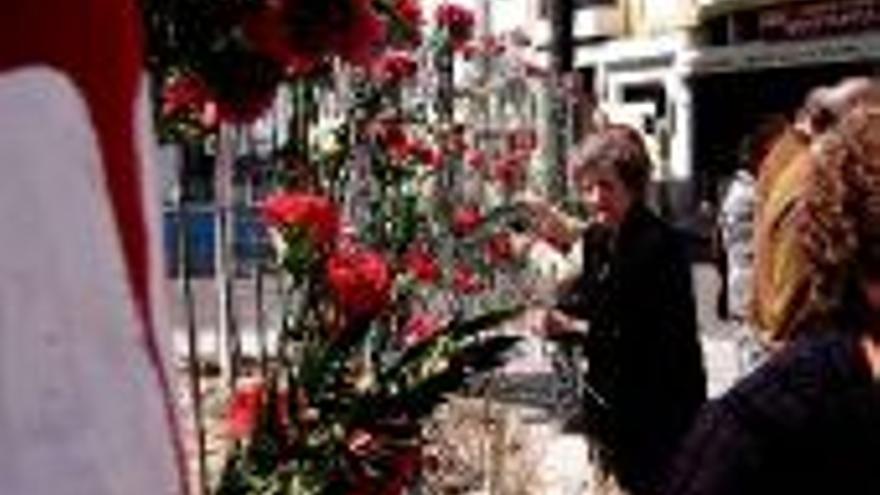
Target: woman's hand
{"x":556,"y":227}
{"x":557,"y":323}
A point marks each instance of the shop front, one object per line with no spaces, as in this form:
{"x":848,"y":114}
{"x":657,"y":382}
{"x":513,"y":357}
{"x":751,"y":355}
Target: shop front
{"x":759,"y":64}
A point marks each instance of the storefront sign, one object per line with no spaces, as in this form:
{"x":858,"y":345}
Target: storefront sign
{"x":817,"y":19}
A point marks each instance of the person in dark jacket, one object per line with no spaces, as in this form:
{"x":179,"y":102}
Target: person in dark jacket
{"x":645,"y":378}
{"x":807,"y":421}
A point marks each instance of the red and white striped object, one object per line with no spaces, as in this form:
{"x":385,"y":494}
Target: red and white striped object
{"x":86,"y":406}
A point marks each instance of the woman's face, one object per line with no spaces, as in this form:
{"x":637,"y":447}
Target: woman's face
{"x":605,"y":196}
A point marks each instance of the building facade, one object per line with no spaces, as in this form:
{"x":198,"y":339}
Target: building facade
{"x":698,"y":76}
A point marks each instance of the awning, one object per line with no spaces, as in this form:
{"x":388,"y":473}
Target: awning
{"x":762,"y":55}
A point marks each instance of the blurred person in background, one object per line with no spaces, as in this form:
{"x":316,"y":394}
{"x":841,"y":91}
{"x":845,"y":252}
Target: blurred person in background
{"x":735,"y":224}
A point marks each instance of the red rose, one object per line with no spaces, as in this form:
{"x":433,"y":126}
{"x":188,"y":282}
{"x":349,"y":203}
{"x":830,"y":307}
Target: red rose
{"x":420,"y":327}
{"x":422,"y":265}
{"x":316,"y":215}
{"x":499,"y":247}
{"x":360,"y":280}
{"x":465,"y":220}
{"x":457,"y":20}
{"x":395,"y":66}
{"x":466,"y":280}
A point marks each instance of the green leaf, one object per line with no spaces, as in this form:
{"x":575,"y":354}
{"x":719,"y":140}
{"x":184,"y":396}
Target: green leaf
{"x":422,"y":398}
{"x":455,"y":332}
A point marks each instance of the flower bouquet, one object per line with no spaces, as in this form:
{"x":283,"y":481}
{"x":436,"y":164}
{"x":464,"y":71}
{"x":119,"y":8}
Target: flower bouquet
{"x":385,"y":262}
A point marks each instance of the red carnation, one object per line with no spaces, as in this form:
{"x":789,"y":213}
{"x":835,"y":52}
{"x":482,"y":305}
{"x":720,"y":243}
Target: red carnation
{"x":420,"y":327}
{"x":465,"y":220}
{"x":184,"y":93}
{"x":499,"y":247}
{"x":392,"y":137}
{"x":466,"y":280}
{"x":422,"y":265}
{"x":244,"y":409}
{"x":475,"y":159}
{"x":301,"y":33}
{"x":394,"y":67}
{"x":455,"y":139}
{"x":316,"y":215}
{"x":510,"y":171}
{"x":426,"y":154}
{"x":410,"y":13}
{"x":360,"y":280}
{"x":457,"y":20}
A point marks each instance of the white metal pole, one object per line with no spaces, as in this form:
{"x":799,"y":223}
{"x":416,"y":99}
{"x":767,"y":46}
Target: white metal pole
{"x":222,"y":244}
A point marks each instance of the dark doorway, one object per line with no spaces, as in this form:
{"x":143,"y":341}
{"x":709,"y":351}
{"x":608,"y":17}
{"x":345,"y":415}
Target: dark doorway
{"x":728,"y":107}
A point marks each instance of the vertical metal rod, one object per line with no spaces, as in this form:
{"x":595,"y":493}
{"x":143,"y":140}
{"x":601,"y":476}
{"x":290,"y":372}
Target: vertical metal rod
{"x":185,"y":274}
{"x":226,"y":331}
{"x":259,"y":322}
